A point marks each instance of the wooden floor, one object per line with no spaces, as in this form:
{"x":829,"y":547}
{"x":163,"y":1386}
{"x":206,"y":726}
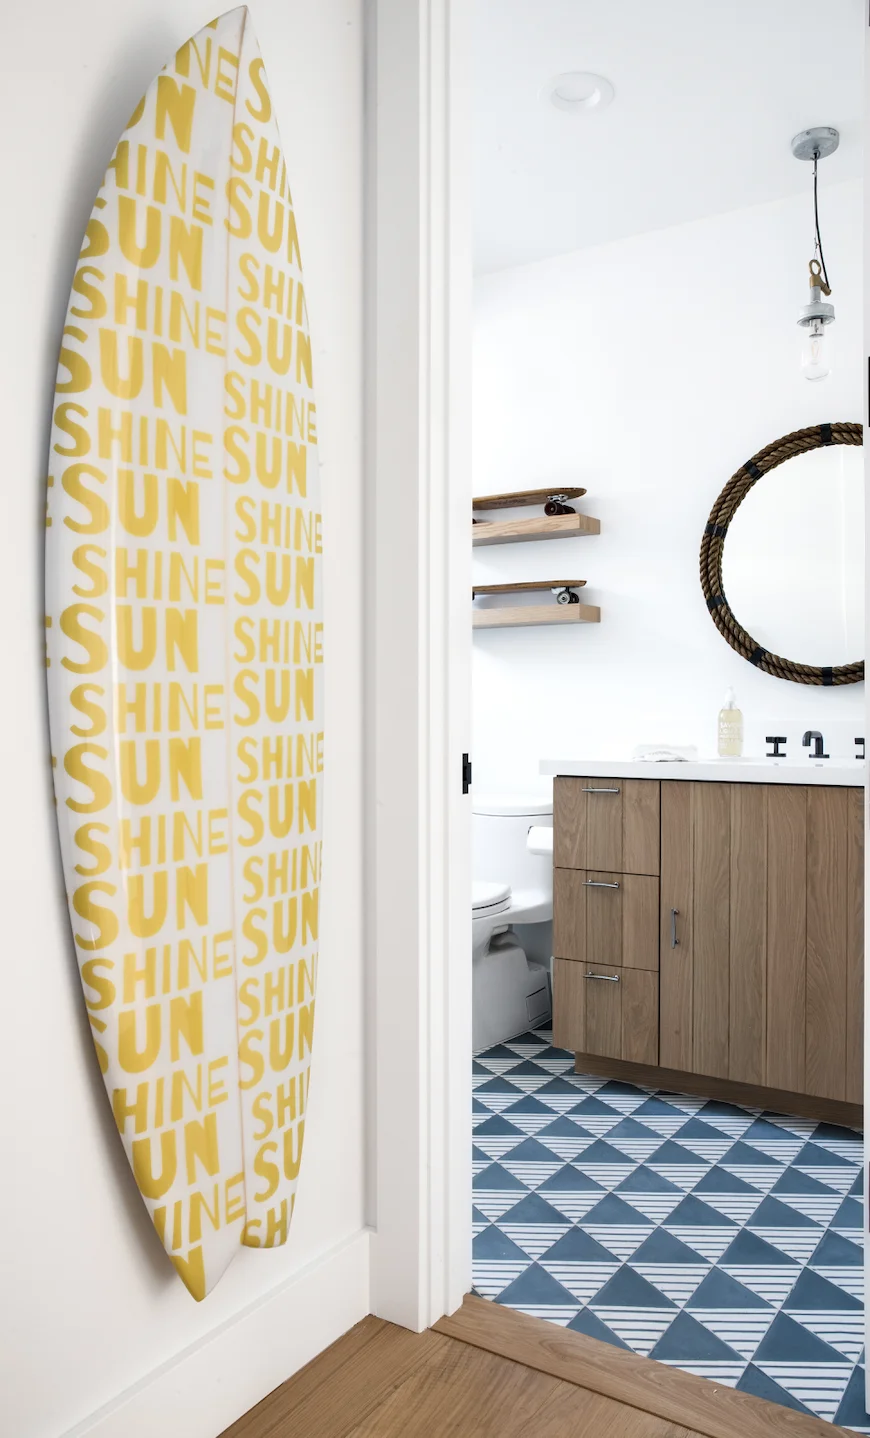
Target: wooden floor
{"x":492,"y":1373}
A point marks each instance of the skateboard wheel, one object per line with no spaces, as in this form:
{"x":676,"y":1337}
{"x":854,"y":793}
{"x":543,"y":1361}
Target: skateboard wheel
{"x":555,"y":506}
{"x":564,"y":596}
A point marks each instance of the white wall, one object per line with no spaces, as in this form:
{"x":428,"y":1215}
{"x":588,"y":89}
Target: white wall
{"x":648,"y":370}
{"x":91,"y":1306}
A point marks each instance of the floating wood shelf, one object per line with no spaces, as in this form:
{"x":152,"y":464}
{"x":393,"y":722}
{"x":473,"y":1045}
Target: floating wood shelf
{"x":515,"y":615}
{"x":543,"y":526}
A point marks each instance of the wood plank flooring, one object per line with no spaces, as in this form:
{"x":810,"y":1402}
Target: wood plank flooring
{"x":488,"y":1372}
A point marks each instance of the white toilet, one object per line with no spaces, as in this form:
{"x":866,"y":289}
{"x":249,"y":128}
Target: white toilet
{"x":512,"y":887}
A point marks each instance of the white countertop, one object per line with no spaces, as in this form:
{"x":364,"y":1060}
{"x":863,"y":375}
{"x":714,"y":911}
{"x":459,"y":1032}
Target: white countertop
{"x":842,"y":772}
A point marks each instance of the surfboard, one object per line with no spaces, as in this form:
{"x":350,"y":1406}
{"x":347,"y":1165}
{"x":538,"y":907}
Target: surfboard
{"x":185,"y":652}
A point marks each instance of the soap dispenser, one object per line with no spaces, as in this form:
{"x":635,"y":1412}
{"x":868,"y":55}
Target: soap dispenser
{"x":730,"y":728}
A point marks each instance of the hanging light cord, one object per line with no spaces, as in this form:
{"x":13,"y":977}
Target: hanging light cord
{"x":819,"y":252}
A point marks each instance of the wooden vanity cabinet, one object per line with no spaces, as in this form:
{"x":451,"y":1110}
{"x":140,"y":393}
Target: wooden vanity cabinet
{"x":736,"y":953}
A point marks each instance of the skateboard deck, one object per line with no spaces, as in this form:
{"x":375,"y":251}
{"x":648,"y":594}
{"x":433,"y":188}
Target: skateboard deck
{"x":562,"y":588}
{"x":554,"y":500}
{"x":183,"y":599}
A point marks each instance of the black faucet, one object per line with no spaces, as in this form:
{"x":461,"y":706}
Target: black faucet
{"x":776,"y":740}
{"x":859,"y":739}
{"x":819,"y":743}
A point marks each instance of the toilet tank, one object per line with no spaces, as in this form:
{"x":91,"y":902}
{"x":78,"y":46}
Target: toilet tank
{"x":500,"y":829}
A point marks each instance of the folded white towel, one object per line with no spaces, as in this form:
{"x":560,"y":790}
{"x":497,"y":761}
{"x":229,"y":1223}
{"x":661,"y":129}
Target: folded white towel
{"x":666,"y":753}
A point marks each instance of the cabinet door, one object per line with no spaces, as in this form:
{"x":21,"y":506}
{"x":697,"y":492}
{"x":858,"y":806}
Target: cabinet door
{"x":606,"y":918}
{"x":695,"y":969}
{"x":610,"y":824}
{"x":834,"y":986}
{"x":762,"y":935}
{"x":605,"y":1010}
{"x":714,"y":929}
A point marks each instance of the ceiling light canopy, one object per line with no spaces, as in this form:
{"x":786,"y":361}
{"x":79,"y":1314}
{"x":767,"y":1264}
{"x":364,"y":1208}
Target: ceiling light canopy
{"x":578,"y":92}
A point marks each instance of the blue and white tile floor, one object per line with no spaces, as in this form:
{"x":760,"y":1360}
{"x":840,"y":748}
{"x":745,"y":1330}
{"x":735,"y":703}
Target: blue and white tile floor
{"x":726,"y":1241}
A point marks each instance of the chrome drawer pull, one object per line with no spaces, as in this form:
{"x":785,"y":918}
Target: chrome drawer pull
{"x":600,"y":884}
{"x":608,"y":978}
{"x":600,"y":791}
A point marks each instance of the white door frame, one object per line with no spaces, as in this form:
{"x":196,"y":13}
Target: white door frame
{"x":418,"y":561}
{"x":417,"y":832}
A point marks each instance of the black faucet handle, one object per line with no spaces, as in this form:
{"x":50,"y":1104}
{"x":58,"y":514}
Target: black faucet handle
{"x":775,"y":740}
{"x":859,"y":739}
{"x":814,"y":737}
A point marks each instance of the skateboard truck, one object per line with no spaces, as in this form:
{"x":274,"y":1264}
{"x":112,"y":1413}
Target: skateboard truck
{"x":564,"y":595}
{"x":556,"y":504}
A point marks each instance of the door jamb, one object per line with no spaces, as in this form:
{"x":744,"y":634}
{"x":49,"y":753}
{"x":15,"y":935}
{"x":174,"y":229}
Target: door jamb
{"x":417,"y":833}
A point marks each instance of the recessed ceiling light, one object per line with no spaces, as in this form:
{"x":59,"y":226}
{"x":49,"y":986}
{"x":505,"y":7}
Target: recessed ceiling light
{"x":579,"y":91}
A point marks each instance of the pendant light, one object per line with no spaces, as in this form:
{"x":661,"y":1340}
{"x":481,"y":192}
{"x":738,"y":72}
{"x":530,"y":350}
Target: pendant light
{"x":816,"y":318}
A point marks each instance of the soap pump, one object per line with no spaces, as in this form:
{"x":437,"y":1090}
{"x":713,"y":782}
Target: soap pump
{"x":730,"y":728}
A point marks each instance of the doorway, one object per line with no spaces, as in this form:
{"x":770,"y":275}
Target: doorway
{"x":642,"y":236}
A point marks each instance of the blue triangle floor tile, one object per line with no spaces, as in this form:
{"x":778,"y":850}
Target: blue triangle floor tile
{"x":693,"y":1211}
{"x":719,"y":1180}
{"x":687,"y":1341}
{"x":836,"y":1251}
{"x":537,"y":1289}
{"x":793,"y":1181}
{"x":720,"y":1290}
{"x":496,"y":1179}
{"x":812,"y":1292}
{"x":496,"y":1127}
{"x":569,"y":1179}
{"x":576,"y":1246}
{"x":773,"y":1214}
{"x":742,"y":1154}
{"x":587,"y":1322}
{"x":663,"y":1247}
{"x":492,"y":1244}
{"x":852,"y":1412}
{"x":748,"y":1248}
{"x":563,"y":1127}
{"x":760,"y":1386}
{"x":525,"y":1105}
{"x":627,"y":1289}
{"x":612,"y":1210}
{"x":850,"y":1214}
{"x":644,"y":1180}
{"x":531,"y":1209}
{"x":787,"y":1342}
{"x":812,"y":1155}
{"x":529,"y":1150}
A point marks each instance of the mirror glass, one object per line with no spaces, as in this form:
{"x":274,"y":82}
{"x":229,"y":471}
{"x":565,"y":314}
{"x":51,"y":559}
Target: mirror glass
{"x":793,"y":560}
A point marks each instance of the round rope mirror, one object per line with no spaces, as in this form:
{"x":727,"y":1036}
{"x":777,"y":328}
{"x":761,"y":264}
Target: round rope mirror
{"x":713,"y":544}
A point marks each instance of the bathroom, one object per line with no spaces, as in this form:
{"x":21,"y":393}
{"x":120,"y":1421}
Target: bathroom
{"x":643,"y":232}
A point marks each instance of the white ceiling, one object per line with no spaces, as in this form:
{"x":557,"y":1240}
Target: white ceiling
{"x":708,"y":96}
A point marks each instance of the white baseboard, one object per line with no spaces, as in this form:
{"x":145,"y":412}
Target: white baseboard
{"x":208,"y":1386}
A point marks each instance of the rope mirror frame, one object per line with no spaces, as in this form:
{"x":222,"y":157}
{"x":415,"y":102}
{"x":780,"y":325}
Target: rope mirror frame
{"x":801,"y":441}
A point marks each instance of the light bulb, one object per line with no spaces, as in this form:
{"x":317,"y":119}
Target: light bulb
{"x":815,"y":351}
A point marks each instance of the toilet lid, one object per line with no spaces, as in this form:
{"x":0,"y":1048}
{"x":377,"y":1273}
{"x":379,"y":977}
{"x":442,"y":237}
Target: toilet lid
{"x":489,"y":896}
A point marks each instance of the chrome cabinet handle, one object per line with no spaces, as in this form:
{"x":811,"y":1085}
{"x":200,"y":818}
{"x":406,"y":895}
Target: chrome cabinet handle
{"x":600,"y":884}
{"x":599,"y":791}
{"x":608,"y":978}
{"x":674,"y":940}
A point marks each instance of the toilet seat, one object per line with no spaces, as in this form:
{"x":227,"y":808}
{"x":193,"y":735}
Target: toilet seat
{"x":489,"y":898}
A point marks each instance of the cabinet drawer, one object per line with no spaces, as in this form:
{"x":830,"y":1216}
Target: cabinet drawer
{"x":607,"y":824}
{"x":606,"y":917}
{"x":606,"y":1010}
